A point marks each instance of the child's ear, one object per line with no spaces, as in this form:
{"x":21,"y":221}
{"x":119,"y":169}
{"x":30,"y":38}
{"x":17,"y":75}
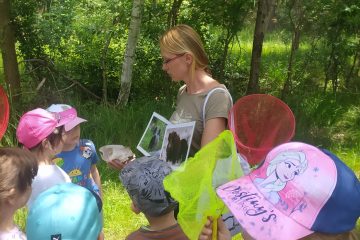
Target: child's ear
{"x":46,"y":144}
{"x":12,"y":196}
{"x":134,"y":208}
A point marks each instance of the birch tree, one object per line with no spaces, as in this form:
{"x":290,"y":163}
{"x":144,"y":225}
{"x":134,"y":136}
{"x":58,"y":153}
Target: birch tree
{"x":129,"y":58}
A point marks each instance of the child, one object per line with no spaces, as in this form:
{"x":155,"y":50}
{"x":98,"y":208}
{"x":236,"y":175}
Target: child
{"x":143,"y":180}
{"x":18,"y":168}
{"x":317,"y":196}
{"x":65,"y":211}
{"x":79,"y":155}
{"x":41,"y":132}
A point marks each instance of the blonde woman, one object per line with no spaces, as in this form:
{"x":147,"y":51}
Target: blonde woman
{"x":184,"y":59}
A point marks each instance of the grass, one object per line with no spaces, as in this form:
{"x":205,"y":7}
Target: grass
{"x":119,"y":220}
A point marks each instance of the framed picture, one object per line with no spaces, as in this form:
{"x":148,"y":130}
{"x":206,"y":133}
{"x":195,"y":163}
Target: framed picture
{"x":152,"y":138}
{"x":176,"y":143}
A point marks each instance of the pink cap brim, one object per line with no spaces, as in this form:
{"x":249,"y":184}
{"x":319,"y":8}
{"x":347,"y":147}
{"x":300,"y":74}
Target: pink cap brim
{"x":73,"y":123}
{"x":256,"y":214}
{"x":68,"y":118}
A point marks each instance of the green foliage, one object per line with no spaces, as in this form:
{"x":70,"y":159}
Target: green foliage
{"x":327,"y":120}
{"x":345,"y":131}
{"x":226,"y":20}
{"x":85,"y":42}
{"x":26,"y":30}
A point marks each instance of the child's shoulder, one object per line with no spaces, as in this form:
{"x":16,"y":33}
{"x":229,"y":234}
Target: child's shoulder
{"x":14,"y":233}
{"x":86,"y":142}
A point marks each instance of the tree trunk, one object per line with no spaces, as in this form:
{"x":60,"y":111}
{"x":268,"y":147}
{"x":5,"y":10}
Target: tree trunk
{"x":331,"y":72}
{"x":103,"y":65}
{"x":126,"y":74}
{"x":287,"y":85}
{"x":174,"y":12}
{"x":7,"y":44}
{"x":229,"y":37}
{"x":348,"y":77}
{"x":296,"y":26}
{"x":263,"y":16}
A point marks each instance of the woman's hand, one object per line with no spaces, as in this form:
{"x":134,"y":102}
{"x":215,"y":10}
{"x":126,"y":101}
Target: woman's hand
{"x":120,"y":164}
{"x":222,"y":231}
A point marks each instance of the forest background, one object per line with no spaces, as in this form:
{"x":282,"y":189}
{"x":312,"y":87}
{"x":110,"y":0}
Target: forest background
{"x":102,"y":56}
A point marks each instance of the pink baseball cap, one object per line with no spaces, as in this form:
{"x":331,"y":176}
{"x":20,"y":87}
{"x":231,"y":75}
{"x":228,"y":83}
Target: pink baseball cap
{"x":299,"y":189}
{"x":35,"y":125}
{"x":67,"y":111}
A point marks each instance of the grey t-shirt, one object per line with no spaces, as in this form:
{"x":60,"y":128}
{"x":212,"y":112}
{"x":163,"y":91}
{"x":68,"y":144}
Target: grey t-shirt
{"x":189,"y":108}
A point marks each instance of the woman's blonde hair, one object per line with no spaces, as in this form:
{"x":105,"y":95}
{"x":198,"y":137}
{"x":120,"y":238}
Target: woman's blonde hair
{"x":18,"y":167}
{"x":182,"y":39}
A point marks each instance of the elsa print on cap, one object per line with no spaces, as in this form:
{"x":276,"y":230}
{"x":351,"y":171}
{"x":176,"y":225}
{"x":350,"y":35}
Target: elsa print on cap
{"x":298,"y":189}
{"x":282,"y":169}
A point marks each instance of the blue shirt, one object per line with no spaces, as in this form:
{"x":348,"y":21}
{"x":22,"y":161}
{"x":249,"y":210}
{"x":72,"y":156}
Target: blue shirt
{"x":77,"y":163}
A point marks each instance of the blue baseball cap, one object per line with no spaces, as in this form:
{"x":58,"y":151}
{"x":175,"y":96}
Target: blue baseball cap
{"x":65,"y":212}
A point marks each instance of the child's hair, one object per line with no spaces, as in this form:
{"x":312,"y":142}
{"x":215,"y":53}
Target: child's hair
{"x":184,"y":39}
{"x":54,"y":139}
{"x":18,"y":167}
{"x":143,"y":180}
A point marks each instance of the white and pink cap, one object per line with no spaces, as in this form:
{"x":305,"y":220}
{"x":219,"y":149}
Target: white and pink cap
{"x":299,"y":189}
{"x":69,"y":111}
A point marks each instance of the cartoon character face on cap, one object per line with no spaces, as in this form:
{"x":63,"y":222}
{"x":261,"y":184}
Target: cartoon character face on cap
{"x":287,"y":170}
{"x":286,"y":165}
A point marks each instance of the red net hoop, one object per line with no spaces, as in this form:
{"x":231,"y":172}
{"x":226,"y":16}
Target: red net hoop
{"x":4,"y":112}
{"x":260,"y":122}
